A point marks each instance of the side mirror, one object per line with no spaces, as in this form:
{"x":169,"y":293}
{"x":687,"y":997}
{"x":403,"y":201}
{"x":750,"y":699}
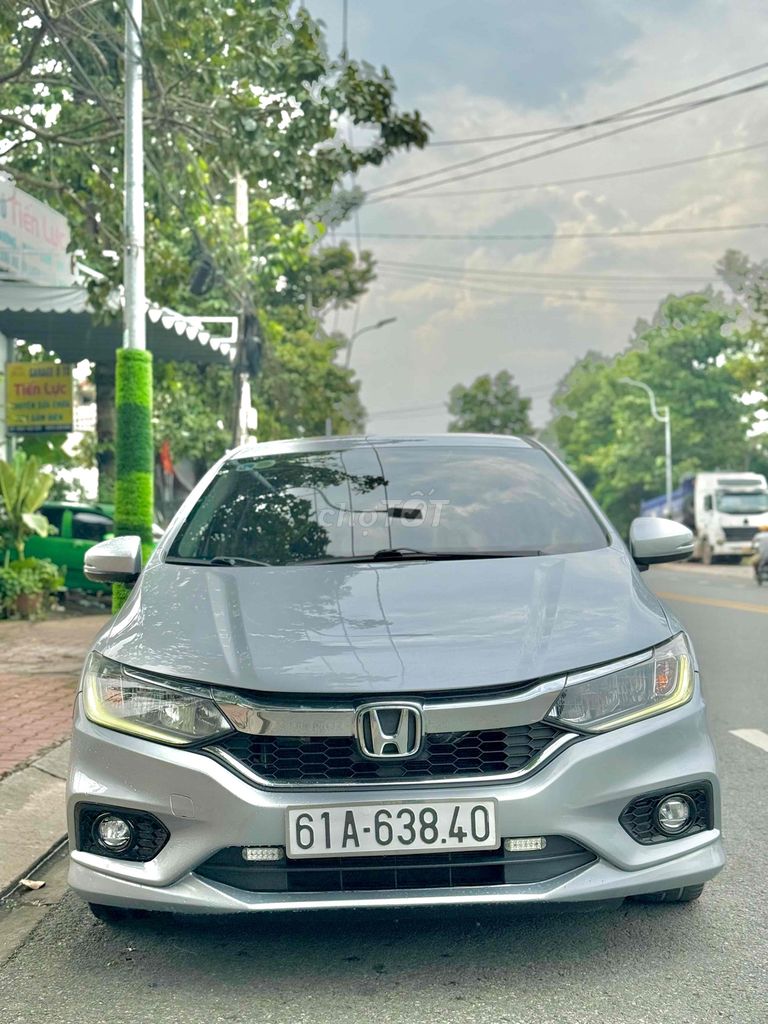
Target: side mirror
{"x":654,"y":540}
{"x":114,"y":561}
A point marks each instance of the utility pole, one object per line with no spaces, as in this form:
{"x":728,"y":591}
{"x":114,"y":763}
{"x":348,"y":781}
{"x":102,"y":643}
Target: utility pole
{"x":134,"y":323}
{"x":665,"y":418}
{"x":241,"y":398}
{"x":134,"y":450}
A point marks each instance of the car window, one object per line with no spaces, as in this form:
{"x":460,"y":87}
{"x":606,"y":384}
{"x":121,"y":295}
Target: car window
{"x":299,"y":507}
{"x":742,"y":502}
{"x":91,"y":526}
{"x":54,"y":516}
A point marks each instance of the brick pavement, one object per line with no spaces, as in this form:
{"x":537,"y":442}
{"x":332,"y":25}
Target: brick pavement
{"x":39,"y":667}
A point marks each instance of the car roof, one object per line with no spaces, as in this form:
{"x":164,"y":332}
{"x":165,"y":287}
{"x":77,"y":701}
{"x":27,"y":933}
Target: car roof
{"x":81,"y":506}
{"x":341,"y":443}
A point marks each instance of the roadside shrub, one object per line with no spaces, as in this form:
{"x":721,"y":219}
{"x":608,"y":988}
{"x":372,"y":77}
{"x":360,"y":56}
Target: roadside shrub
{"x":28,"y":586}
{"x":41,"y":574}
{"x":10,"y":588}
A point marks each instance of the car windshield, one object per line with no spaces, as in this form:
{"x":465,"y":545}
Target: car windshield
{"x":352,"y":503}
{"x":743,"y":502}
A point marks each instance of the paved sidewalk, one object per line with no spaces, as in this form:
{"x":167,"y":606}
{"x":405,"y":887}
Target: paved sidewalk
{"x":40,"y":664}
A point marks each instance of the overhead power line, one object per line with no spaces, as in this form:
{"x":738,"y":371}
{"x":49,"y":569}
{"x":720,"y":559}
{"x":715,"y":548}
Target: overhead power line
{"x":571,"y":299}
{"x":585,"y":124}
{"x":560,"y":149}
{"x":530,"y":186}
{"x":564,"y":235}
{"x":547,"y":275}
{"x":596,"y":122}
{"x":587,"y":290}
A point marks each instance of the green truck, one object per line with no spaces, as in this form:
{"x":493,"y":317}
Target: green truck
{"x":79,"y":526}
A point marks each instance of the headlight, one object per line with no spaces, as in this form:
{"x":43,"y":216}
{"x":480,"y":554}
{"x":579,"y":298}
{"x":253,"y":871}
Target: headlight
{"x":117,"y":699}
{"x":613,"y":695}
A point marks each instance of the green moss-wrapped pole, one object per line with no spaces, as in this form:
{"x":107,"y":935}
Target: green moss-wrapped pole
{"x":134,"y":452}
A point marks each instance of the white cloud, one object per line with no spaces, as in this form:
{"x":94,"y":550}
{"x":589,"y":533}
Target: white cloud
{"x":447,"y":333}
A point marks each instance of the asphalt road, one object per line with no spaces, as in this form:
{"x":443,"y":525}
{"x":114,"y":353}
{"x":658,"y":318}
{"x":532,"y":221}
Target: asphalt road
{"x":705,"y":961}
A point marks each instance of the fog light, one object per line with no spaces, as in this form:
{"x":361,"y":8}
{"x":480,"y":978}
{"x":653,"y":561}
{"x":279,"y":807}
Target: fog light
{"x":525,"y":845}
{"x":263,"y":853}
{"x":674,"y":814}
{"x":113,"y":833}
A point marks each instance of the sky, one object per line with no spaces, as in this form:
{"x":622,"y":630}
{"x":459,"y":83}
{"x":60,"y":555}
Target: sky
{"x":495,"y":67}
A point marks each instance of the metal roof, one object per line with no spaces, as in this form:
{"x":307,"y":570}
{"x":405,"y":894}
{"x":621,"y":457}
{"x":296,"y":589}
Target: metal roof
{"x":59,"y":318}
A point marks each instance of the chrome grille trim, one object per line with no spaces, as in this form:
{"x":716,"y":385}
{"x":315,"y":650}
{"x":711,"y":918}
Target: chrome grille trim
{"x":536,"y":762}
{"x":263,"y":718}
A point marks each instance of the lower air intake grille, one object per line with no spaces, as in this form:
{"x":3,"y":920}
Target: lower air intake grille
{"x":739,"y":532}
{"x":328,"y":760}
{"x":415,"y":871}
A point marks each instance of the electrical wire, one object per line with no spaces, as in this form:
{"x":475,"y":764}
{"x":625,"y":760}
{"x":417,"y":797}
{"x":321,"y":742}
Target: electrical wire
{"x":546,"y":275}
{"x":517,"y":287}
{"x":564,"y":235}
{"x":605,"y":119}
{"x":565,"y":127}
{"x":625,"y":173}
{"x":559,"y":149}
{"x":583,"y":299}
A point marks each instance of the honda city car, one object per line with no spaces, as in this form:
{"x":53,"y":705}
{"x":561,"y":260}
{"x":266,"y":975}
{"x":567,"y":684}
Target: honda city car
{"x":364,"y":672}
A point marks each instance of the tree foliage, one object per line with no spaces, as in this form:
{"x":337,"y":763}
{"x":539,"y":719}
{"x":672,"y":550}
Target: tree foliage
{"x":23,"y":489}
{"x":689,"y":355}
{"x":490,"y":405}
{"x":245,"y":87}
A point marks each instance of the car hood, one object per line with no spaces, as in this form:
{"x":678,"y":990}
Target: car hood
{"x":409,"y":627}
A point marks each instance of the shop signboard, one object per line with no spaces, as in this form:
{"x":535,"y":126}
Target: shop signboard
{"x":38,"y":398}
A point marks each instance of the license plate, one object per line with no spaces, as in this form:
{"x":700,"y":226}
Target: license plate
{"x":342,"y":831}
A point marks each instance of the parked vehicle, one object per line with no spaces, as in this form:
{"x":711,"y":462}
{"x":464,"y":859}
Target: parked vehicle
{"x":388,"y":672}
{"x":724,"y":511}
{"x":79,"y":525}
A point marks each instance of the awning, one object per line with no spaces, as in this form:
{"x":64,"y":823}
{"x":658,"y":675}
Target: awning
{"x":59,"y":318}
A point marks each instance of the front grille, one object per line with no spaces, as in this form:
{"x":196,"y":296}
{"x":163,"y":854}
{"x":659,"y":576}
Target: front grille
{"x":637,"y":818}
{"x":739,"y":532}
{"x":413,"y":871}
{"x":337,"y":759}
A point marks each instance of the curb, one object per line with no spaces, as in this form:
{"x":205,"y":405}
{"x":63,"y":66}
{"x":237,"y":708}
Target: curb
{"x":32,"y":815}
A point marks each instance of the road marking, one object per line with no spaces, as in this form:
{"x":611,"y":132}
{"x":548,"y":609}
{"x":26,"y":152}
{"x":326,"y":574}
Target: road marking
{"x":715,"y":602}
{"x":756,"y":737}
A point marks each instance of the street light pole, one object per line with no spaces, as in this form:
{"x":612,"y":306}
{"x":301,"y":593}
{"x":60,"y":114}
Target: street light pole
{"x":665,"y":418}
{"x":134,"y":450}
{"x":364,"y":330}
{"x":134,"y":323}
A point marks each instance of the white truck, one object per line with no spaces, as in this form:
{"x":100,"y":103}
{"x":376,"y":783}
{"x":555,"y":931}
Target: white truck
{"x":724,"y":510}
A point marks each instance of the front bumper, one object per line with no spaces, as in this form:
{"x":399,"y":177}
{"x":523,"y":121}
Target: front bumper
{"x":580,"y":795}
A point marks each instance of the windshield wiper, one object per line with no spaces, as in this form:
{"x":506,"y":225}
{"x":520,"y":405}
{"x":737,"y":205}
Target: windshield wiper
{"x":229,"y":560}
{"x":414,"y":555}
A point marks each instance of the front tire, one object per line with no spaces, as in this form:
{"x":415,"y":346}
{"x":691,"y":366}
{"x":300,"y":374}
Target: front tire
{"x":685,"y":894}
{"x":115,"y":915}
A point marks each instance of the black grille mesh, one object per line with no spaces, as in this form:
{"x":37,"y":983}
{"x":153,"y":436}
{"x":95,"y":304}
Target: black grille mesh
{"x":739,"y":532}
{"x":286,"y":759}
{"x":414,"y":871}
{"x":637,"y":818}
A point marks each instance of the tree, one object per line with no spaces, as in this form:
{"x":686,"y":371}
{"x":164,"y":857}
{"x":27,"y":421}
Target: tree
{"x":604,"y":428}
{"x":23,"y":489}
{"x":245,"y":87}
{"x":748,"y":283}
{"x":490,"y":405}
